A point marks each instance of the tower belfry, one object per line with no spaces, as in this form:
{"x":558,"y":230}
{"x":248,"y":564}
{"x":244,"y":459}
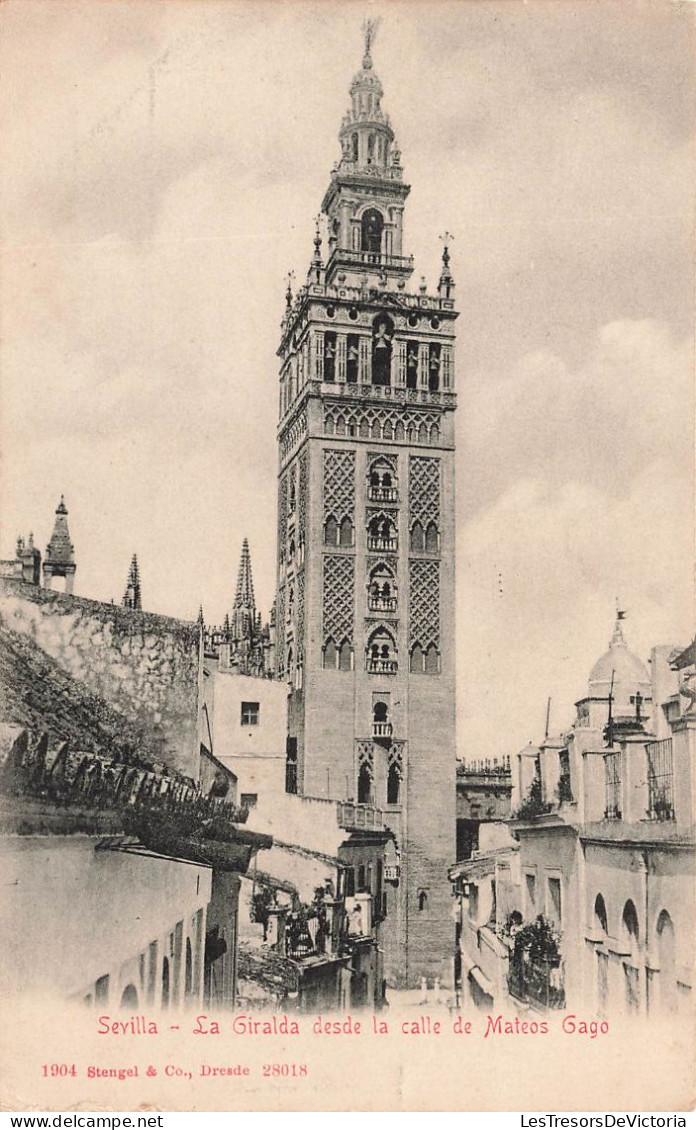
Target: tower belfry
{"x":59,"y":560}
{"x":365,"y":598}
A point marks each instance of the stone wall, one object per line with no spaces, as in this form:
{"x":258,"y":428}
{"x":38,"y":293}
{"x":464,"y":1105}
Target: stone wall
{"x":144,"y":667}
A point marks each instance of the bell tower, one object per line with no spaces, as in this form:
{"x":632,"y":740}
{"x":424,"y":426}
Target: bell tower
{"x":366,"y":538}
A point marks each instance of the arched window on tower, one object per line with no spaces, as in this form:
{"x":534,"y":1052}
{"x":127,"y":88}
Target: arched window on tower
{"x":354,"y":148}
{"x":412,"y":365}
{"x":371,"y":227}
{"x":330,"y":655}
{"x":434,"y":368}
{"x":393,"y":784}
{"x":345,"y":657}
{"x":382,"y":481}
{"x":416,"y":660}
{"x":331,"y":531}
{"x":381,"y":653}
{"x":346,"y":534}
{"x":432,"y":660}
{"x":352,"y":358}
{"x":329,"y":356}
{"x":381,"y":726}
{"x":382,"y":596}
{"x":432,"y":538}
{"x":381,"y":533}
{"x":364,"y":784}
{"x":382,"y":335}
{"x":417,"y":538}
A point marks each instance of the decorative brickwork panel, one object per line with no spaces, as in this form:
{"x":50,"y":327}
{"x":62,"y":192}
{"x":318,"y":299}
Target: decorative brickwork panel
{"x":302,"y":499}
{"x":400,"y":424}
{"x":339,"y":485}
{"x":366,"y":756}
{"x":292,"y":435}
{"x":282,"y":515}
{"x":280,"y":631}
{"x":382,"y":457}
{"x":300,"y":610}
{"x":339,"y":597}
{"x":395,"y":759}
{"x":424,"y":490}
{"x":424,"y":618}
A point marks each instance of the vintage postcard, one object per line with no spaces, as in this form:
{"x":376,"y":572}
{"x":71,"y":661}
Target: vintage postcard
{"x":347,"y":666}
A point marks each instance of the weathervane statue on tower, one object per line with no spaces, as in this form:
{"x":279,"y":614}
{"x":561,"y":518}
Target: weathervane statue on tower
{"x":370,"y":32}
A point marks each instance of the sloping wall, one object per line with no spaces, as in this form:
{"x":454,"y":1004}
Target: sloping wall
{"x":144,"y":667}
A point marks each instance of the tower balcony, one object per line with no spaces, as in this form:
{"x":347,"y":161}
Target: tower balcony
{"x":383,"y":494}
{"x":382,"y":603}
{"x":381,"y":666}
{"x":372,"y":260}
{"x":382,"y":545}
{"x":353,"y":817}
{"x":382,"y":729}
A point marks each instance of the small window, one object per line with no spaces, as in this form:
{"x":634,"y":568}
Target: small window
{"x":554,"y":904}
{"x":530,"y":885}
{"x":350,"y":882}
{"x":422,"y":900}
{"x":249,"y":800}
{"x":250,"y":714}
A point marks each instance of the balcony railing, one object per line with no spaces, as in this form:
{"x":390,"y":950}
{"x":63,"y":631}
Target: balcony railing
{"x":382,"y":604}
{"x":382,"y":666}
{"x":660,"y":780}
{"x":352,"y":816}
{"x":537,"y":983}
{"x":371,"y":259}
{"x":382,"y":729}
{"x":381,"y":544}
{"x":383,"y":494}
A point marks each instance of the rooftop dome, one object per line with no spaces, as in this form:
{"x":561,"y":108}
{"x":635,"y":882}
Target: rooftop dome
{"x":628,"y":668}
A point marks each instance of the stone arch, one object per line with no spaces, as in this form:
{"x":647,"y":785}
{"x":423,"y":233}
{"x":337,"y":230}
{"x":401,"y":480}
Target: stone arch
{"x":666,"y":950}
{"x":129,"y":997}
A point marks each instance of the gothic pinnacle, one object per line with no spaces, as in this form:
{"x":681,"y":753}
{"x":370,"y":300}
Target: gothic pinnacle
{"x":132,"y":597}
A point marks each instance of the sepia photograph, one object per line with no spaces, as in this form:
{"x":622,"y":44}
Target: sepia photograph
{"x":347,"y":654}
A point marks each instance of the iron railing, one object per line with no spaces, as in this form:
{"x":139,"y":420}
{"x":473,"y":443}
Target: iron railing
{"x":660,"y":780}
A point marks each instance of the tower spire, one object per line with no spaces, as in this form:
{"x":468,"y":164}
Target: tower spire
{"x":60,"y":551}
{"x":132,"y":597}
{"x":244,"y":596}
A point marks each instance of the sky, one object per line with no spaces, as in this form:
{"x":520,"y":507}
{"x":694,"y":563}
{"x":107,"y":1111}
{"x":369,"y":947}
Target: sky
{"x":161,"y":167}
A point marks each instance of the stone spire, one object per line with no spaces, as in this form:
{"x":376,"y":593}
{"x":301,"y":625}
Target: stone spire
{"x":60,"y":552}
{"x":243,"y":619}
{"x":132,"y":597}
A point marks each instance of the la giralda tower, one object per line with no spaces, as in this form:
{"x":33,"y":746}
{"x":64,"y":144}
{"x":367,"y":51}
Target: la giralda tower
{"x":365,"y":609}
